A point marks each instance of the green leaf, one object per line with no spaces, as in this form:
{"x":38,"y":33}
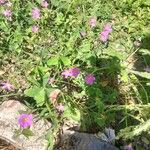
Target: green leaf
{"x":53,"y":61}
{"x":40,"y":97}
{"x":55,"y":2}
{"x":45,"y":79}
{"x":37,"y":93}
{"x":66,"y":61}
{"x":27,"y":133}
{"x":42,"y":69}
{"x":31,"y":92}
{"x":73,"y":116}
{"x":85,"y":47}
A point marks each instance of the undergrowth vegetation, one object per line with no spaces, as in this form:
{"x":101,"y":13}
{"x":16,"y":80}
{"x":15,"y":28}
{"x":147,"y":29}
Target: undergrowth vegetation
{"x":80,"y":60}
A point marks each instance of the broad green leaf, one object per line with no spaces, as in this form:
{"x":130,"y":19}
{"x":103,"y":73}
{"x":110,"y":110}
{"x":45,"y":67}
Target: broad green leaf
{"x":37,"y":93}
{"x":53,"y":61}
{"x":40,"y":97}
{"x":31,"y":92}
{"x":45,"y":79}
{"x":70,"y":115}
{"x":66,"y":61}
{"x":27,"y":133}
{"x":43,"y":70}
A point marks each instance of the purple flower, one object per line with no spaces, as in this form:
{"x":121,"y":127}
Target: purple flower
{"x":6,"y":86}
{"x":108,"y":28}
{"x":128,"y":147}
{"x":25,"y":120}
{"x":35,"y":13}
{"x":35,"y":28}
{"x":60,"y":107}
{"x":89,"y":79}
{"x":147,"y":69}
{"x":72,"y":72}
{"x":75,"y":72}
{"x":44,"y":4}
{"x":104,"y":36}
{"x":83,"y":34}
{"x":92,"y":22}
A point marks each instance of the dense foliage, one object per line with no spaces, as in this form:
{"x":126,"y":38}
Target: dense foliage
{"x":82,"y":60}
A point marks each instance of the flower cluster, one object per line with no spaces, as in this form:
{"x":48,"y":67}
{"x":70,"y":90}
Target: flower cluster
{"x":104,"y":35}
{"x":36,"y":14}
{"x":74,"y":72}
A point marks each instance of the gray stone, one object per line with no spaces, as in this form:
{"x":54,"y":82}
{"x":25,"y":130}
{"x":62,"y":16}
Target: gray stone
{"x":72,"y":140}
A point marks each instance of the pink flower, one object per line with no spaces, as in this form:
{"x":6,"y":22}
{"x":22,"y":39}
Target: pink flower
{"x":66,"y":73}
{"x":6,"y":86}
{"x":35,"y":13}
{"x":92,"y":22}
{"x":35,"y":28}
{"x":7,"y":13}
{"x":104,"y":36}
{"x":25,"y":120}
{"x":108,"y":28}
{"x":44,"y":4}
{"x":72,"y":72}
{"x":2,"y":2}
{"x":89,"y":79}
{"x":60,"y":107}
{"x":147,"y":69}
{"x":54,"y":95}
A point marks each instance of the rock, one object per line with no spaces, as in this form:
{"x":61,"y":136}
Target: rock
{"x":9,"y":113}
{"x":72,"y":140}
